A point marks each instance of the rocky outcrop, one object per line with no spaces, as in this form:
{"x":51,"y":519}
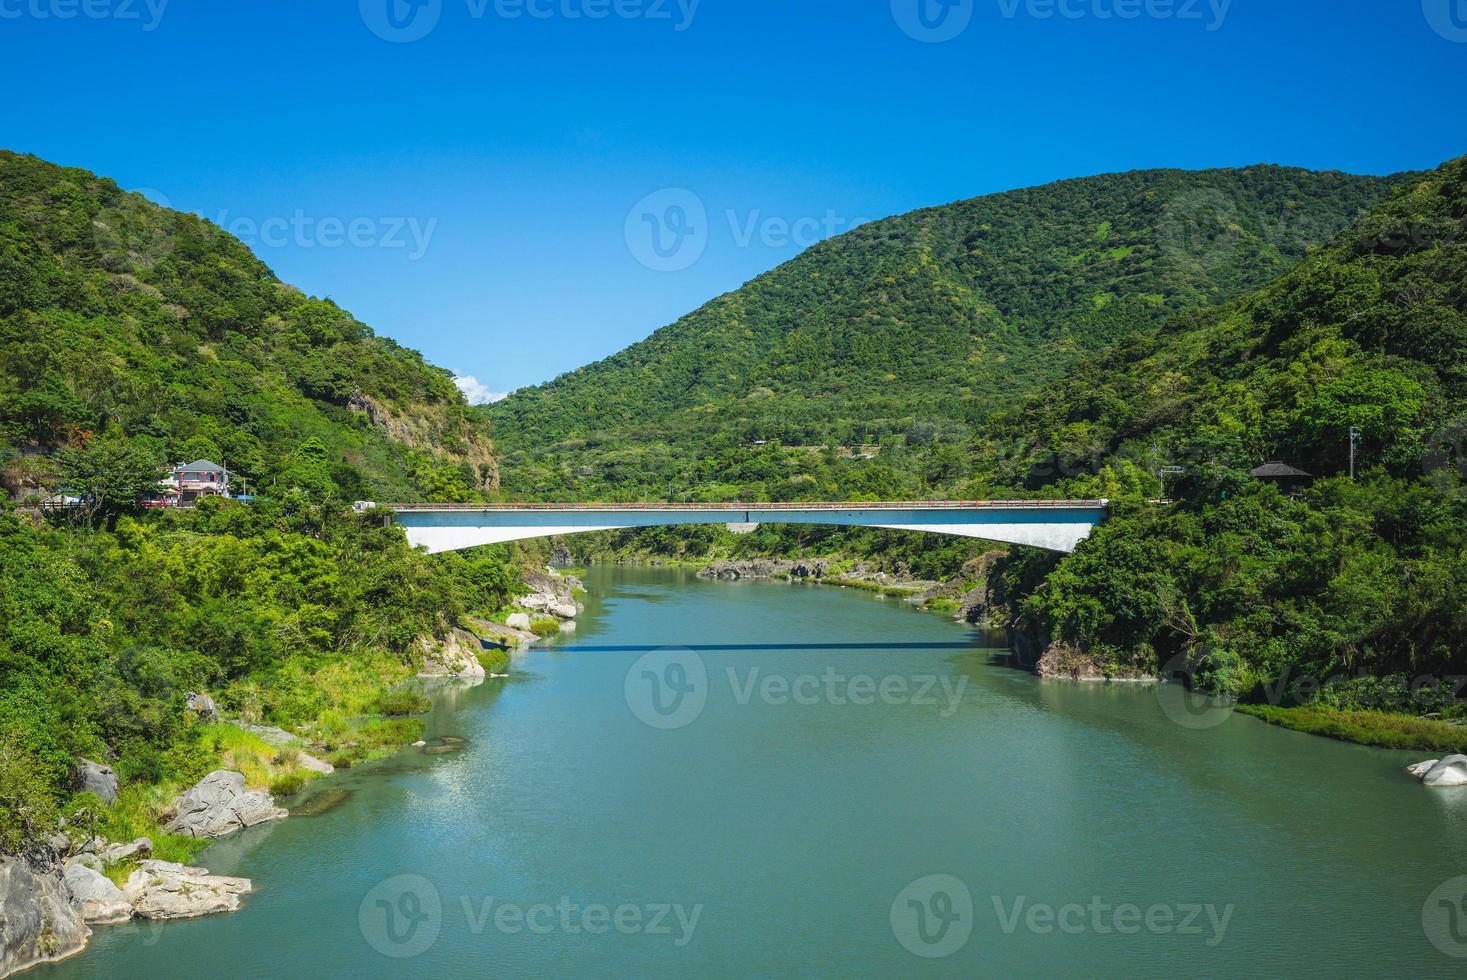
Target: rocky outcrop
{"x":164,"y":890}
{"x":97,"y":779}
{"x":99,"y":901}
{"x":38,"y":923}
{"x":732,"y":569}
{"x":218,"y":805}
{"x":432,"y":429}
{"x":519,"y":621}
{"x":552,"y":593}
{"x":1448,"y":771}
{"x":981,"y":604}
{"x":456,"y":655}
{"x":503,"y":636}
{"x":312,"y":764}
{"x":1068,"y":660}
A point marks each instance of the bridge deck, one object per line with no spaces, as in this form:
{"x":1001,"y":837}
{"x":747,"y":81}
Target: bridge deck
{"x":1054,"y":524}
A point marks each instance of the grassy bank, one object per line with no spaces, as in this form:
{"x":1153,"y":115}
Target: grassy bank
{"x":1392,"y":731}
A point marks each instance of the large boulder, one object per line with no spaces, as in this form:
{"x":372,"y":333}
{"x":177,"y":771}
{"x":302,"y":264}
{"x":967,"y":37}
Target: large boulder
{"x":97,"y":779}
{"x":99,"y":901}
{"x":501,"y":636}
{"x":518,"y":621}
{"x":1448,"y":771}
{"x":218,"y":805}
{"x":38,"y":923}
{"x":276,"y":737}
{"x":164,"y":890}
{"x":456,"y":655}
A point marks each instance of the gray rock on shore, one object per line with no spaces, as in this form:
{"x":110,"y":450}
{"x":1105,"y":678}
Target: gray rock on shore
{"x":99,"y":901}
{"x":164,"y":890}
{"x":218,"y":805}
{"x":38,"y":923}
{"x":1448,"y":771}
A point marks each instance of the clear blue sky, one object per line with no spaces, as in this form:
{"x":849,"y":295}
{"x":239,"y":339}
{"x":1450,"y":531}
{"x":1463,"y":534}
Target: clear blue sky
{"x":494,"y":165}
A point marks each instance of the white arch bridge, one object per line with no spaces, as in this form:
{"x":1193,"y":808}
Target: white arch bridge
{"x":1055,"y":525}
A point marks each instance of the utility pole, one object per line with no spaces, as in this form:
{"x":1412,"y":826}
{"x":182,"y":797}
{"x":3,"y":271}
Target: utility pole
{"x":1354,"y":443}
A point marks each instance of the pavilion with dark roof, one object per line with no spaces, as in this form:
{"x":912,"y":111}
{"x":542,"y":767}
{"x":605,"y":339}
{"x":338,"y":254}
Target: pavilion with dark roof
{"x":1290,"y":479}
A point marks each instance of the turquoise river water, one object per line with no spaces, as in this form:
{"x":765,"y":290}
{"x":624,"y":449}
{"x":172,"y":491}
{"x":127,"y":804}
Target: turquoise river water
{"x":760,"y":779}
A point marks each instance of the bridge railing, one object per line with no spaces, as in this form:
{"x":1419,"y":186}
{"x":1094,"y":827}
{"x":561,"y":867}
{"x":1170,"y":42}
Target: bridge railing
{"x":741,"y":505}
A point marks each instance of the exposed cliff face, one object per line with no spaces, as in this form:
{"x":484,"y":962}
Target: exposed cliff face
{"x":38,"y":923}
{"x":432,"y":429}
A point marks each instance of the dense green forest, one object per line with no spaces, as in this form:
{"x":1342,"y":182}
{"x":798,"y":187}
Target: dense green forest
{"x":132,"y":336}
{"x":900,"y":339}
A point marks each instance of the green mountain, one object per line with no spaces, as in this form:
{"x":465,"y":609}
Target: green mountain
{"x":124,"y":320}
{"x":910,"y":333}
{"x":1354,"y":580}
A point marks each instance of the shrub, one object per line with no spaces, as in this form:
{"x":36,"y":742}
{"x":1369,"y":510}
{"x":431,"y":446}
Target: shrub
{"x":288,"y":784}
{"x":401,"y":702}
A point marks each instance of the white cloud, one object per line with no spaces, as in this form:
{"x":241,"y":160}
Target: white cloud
{"x":477,"y":393}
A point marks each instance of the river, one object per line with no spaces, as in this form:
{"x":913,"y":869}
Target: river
{"x":824,"y":782}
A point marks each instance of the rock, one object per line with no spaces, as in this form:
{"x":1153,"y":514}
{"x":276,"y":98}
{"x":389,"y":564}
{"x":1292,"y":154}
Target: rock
{"x":1450,"y":770}
{"x":419,"y":744}
{"x":218,"y":805}
{"x":1422,"y":768}
{"x":203,"y":706}
{"x":99,"y":901}
{"x":518,"y":621}
{"x":456,"y":655}
{"x":97,"y":779}
{"x":270,"y":735}
{"x":565,"y":610}
{"x":500,"y":636}
{"x":313,"y":764}
{"x":322,"y":803}
{"x":1068,"y":660}
{"x":85,"y":861}
{"x":140,"y":848}
{"x":164,"y":890}
{"x":38,"y":923}
{"x":539,"y":603}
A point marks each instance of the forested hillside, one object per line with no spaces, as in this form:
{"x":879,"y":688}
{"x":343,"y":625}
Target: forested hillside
{"x":900,"y":339}
{"x":131,"y":336}
{"x":136,"y":331}
{"x":1245,"y":585}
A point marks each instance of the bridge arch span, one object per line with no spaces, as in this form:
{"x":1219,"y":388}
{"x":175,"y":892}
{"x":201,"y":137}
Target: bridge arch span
{"x":1054,"y":525}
